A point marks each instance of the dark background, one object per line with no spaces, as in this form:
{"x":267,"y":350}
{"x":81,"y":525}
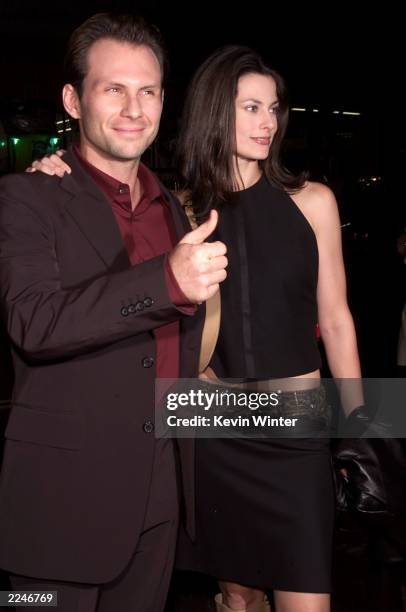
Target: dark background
{"x":336,"y":56}
{"x":337,"y":53}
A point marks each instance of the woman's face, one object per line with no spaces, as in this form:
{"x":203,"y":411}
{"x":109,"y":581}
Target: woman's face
{"x":256,"y":120}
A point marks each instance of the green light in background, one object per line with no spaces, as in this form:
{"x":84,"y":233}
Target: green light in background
{"x":54,"y":141}
{"x":15,"y":141}
{"x":2,"y":143}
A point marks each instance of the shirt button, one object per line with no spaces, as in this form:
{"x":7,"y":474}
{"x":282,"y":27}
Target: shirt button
{"x":148,"y":427}
{"x":148,"y":362}
{"x":124,"y":311}
{"x":148,"y":302}
{"x":139,"y":306}
{"x":131,"y":308}
{"x":122,"y":189}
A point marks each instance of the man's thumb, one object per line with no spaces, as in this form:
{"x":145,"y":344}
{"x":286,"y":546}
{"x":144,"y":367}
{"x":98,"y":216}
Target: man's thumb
{"x":201,"y":233}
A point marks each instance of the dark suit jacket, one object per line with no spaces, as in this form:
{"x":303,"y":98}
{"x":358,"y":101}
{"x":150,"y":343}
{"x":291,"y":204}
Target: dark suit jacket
{"x":79,"y":446}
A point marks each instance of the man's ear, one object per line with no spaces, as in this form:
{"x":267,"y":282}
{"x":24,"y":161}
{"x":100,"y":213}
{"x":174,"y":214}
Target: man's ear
{"x":71,"y":101}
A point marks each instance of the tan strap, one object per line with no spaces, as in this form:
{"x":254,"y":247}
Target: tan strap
{"x":213,"y":313}
{"x":210,"y":330}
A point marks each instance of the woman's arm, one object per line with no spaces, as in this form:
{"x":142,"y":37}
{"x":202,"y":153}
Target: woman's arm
{"x":319,"y":205}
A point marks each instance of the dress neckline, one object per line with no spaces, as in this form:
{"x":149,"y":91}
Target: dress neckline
{"x":252,"y":187}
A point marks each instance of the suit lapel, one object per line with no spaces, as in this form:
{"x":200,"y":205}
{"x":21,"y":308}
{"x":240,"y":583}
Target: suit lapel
{"x":93,"y":214}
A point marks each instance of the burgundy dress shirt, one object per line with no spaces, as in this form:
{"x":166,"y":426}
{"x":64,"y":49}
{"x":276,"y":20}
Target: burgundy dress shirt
{"x":147,"y":231}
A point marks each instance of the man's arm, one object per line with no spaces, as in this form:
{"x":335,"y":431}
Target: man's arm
{"x":47,"y":321}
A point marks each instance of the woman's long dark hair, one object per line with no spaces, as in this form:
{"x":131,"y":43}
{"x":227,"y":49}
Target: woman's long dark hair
{"x":206,"y":141}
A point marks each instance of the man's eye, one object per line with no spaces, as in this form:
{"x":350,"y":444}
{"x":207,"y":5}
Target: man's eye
{"x":148,"y":92}
{"x":113,"y":89}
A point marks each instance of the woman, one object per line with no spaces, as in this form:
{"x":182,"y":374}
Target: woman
{"x":265,"y":507}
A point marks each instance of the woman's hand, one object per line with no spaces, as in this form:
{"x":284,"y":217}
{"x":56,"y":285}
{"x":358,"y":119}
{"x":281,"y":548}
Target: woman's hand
{"x":51,"y":164}
{"x":208,"y":374}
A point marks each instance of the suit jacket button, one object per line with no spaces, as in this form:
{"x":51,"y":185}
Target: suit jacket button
{"x":139,"y":306}
{"x":148,"y":362}
{"x":148,"y":427}
{"x":148,"y":302}
{"x":124,"y":311}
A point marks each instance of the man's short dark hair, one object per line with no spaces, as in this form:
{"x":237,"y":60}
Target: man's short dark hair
{"x":131,"y":29}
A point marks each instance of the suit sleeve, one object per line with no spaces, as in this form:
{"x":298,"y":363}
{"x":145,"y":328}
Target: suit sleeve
{"x":46,"y":321}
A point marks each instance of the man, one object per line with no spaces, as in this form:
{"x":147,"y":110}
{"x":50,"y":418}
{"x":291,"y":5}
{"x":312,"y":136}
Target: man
{"x":99,"y":300}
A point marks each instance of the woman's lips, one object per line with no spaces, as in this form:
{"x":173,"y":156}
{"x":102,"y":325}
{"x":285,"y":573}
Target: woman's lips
{"x":262,"y":141}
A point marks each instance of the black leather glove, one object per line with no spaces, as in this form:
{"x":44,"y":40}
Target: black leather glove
{"x":358,"y":421}
{"x":375,"y":468}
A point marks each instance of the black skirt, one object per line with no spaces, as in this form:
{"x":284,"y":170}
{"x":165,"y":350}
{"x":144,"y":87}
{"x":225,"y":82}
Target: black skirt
{"x":264,"y":513}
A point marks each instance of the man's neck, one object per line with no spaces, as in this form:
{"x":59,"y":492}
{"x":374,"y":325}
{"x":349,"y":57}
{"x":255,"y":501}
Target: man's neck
{"x":122,"y":170}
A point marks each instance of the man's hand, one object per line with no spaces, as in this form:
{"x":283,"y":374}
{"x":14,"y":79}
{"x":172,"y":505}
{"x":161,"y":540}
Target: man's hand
{"x":52,"y":164}
{"x":199,"y":266}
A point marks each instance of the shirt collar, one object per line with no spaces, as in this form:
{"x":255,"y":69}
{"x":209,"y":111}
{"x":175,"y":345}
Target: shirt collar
{"x":112,"y":187}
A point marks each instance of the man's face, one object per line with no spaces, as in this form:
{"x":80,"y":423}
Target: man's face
{"x":121,"y":103}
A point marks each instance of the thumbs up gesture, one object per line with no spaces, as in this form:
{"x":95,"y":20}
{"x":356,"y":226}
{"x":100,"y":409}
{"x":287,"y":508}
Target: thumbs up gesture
{"x":199,"y":266}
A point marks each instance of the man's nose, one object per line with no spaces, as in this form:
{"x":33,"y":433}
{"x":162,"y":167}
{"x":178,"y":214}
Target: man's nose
{"x":132,"y":106}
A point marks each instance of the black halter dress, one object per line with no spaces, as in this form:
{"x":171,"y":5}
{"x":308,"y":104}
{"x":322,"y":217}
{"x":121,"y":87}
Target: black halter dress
{"x":265,"y":507}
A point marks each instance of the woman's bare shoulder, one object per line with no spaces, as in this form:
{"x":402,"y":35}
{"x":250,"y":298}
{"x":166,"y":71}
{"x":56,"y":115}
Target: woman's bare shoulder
{"x":317,"y":202}
{"x":313,"y":190}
